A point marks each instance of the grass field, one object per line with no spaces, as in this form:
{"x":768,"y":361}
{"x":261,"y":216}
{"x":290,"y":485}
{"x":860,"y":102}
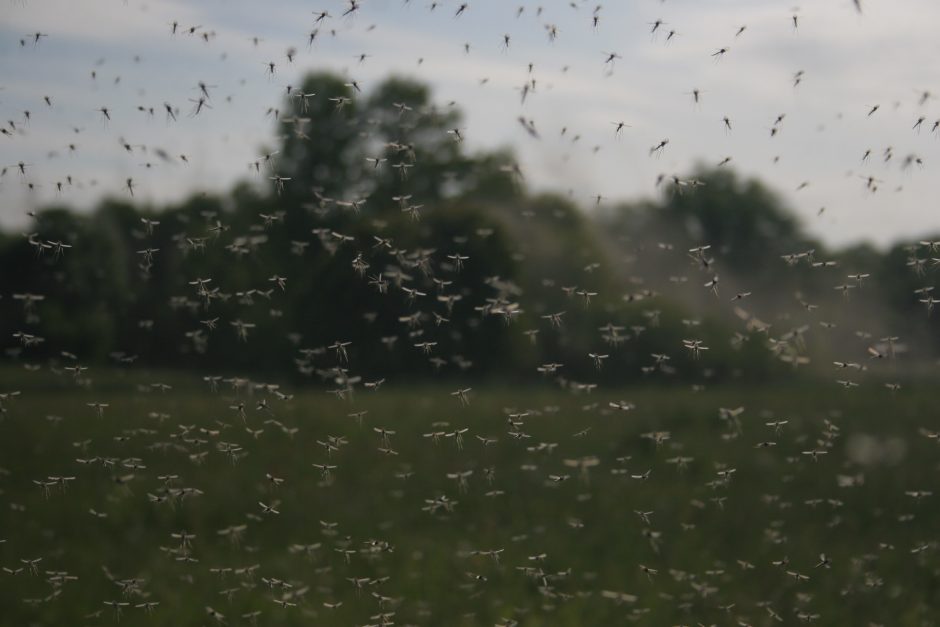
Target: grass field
{"x":579,"y":514}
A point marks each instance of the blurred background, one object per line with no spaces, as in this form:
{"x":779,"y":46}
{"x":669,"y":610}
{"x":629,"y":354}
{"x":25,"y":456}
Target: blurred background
{"x":297,"y":303}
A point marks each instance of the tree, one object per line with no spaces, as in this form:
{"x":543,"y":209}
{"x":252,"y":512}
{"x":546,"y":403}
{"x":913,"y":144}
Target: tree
{"x":743,"y":221}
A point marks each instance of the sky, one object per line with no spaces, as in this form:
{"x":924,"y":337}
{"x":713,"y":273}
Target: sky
{"x":850,"y":61}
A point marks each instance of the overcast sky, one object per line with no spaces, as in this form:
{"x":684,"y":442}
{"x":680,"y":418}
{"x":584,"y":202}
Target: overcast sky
{"x":851,"y":62}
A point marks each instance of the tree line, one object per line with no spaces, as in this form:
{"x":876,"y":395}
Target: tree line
{"x":370,"y":223}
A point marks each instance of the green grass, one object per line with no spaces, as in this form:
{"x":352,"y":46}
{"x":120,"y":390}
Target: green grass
{"x":588,"y":529}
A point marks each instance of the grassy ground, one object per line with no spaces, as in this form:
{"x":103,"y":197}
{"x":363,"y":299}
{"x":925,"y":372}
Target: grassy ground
{"x":567,"y":540}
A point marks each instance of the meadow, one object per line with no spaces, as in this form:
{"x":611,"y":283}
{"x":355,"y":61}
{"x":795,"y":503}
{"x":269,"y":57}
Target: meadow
{"x":652,"y":505}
